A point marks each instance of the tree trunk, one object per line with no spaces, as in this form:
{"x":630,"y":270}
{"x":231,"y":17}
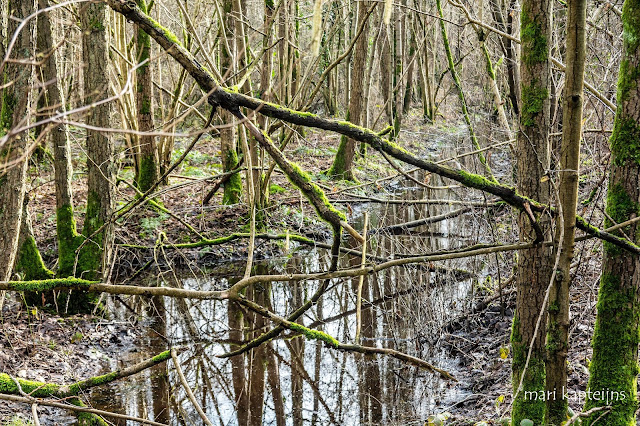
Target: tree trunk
{"x":100,"y":149}
{"x":13,"y":157}
{"x":533,"y":159}
{"x":147,"y":152}
{"x":68,"y":239}
{"x":343,"y":162}
{"x":614,"y":366}
{"x":228,"y":135}
{"x":558,"y":322}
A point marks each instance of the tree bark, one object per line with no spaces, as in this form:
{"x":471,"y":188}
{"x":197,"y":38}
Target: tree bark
{"x":68,"y":239}
{"x":614,"y":366}
{"x":147,"y":152}
{"x":100,"y":148}
{"x":558,"y":321}
{"x":343,"y":163}
{"x":533,"y":160}
{"x":14,"y":154}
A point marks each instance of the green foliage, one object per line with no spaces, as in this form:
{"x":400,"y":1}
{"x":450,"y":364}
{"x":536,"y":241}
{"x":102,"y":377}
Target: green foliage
{"x":16,"y":421}
{"x":150,"y":224}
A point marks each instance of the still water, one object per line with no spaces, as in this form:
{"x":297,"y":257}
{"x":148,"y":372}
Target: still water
{"x":293,"y":381}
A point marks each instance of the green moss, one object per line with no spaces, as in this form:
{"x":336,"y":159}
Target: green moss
{"x":35,"y":389}
{"x":147,"y":172}
{"x":96,"y":25}
{"x":90,"y":255}
{"x":168,"y":34}
{"x":276,"y":189}
{"x":534,"y":42}
{"x":339,"y":167}
{"x":631,"y":25}
{"x":50,"y":284}
{"x":314,"y":334}
{"x":87,"y":419}
{"x":533,"y":99}
{"x":6,"y":113}
{"x":311,"y":187}
{"x":525,"y":406}
{"x":620,"y":208}
{"x":30,"y":262}
{"x":68,"y":240}
{"x":162,"y":356}
{"x":233,"y":187}
{"x":625,"y":141}
{"x":615,"y":344}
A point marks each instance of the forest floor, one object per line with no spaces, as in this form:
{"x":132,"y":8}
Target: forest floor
{"x":40,"y":345}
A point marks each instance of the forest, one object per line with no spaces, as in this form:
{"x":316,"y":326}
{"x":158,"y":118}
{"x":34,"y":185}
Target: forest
{"x":319,"y":212}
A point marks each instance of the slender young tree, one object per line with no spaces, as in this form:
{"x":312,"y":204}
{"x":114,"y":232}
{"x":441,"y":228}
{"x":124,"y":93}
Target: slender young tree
{"x":343,"y":163}
{"x":68,"y":238}
{"x":614,"y":366}
{"x":228,"y":134}
{"x":534,"y":265}
{"x":147,"y":166}
{"x":14,"y":113}
{"x":558,"y":322}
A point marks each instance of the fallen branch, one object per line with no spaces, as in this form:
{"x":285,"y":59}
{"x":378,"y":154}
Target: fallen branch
{"x":232,"y":101}
{"x":333,"y":343}
{"x":13,"y":386}
{"x":26,"y":400}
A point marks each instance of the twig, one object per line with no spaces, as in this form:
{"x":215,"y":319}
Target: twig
{"x":187,"y":389}
{"x":361,"y":280}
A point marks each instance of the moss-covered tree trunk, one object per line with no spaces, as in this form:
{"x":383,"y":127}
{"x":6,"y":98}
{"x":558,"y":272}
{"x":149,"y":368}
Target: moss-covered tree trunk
{"x":14,"y":114}
{"x":614,"y":366}
{"x":534,"y":265}
{"x":147,"y":152}
{"x":68,"y":238}
{"x":558,"y":322}
{"x":28,"y":259}
{"x":343,"y":162}
{"x":100,"y":149}
{"x":228,"y":135}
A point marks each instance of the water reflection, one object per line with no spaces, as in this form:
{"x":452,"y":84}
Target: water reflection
{"x":291,"y":381}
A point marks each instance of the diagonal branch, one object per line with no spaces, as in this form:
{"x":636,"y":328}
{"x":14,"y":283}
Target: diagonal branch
{"x":232,"y":101}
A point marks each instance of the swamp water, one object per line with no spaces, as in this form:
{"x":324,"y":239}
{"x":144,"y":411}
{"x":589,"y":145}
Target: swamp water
{"x":294,"y":381}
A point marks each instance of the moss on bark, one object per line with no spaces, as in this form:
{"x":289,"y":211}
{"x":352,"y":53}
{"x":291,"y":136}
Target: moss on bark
{"x":68,"y":241}
{"x":339,"y":167}
{"x":147,"y":172}
{"x":527,"y":405}
{"x":615,"y":340}
{"x":30,"y":262}
{"x":233,"y":186}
